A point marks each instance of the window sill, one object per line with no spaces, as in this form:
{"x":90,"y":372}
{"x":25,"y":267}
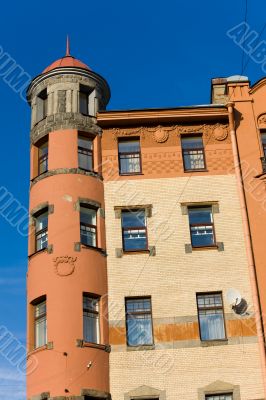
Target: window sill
{"x":131,"y":174}
{"x":79,"y":246}
{"x":218,"y":342}
{"x":127,"y":252}
{"x":215,"y":247}
{"x":37,"y":252}
{"x":195,"y":170}
{"x":83,"y":343}
{"x":48,"y":346}
{"x":143,"y":347}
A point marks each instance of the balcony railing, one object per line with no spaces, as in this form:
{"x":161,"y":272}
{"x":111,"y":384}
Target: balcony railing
{"x":263,"y":162}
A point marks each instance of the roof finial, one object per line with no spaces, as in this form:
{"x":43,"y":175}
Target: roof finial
{"x":67,"y":47}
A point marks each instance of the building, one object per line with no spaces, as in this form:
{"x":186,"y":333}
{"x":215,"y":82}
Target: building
{"x":141,"y":280}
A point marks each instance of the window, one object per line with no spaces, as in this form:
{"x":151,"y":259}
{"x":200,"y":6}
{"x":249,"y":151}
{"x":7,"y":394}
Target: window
{"x":42,"y":100}
{"x":226,"y":396}
{"x":41,"y":230}
{"x":85,"y":153}
{"x":129,"y":156}
{"x":134,"y":230}
{"x":211,"y":316}
{"x":84,"y":94}
{"x":43,"y":158}
{"x":88,"y":229}
{"x":91,"y":329}
{"x":193,"y":153}
{"x":201,"y":226}
{"x":139,"y":321}
{"x":40,"y":326}
{"x":263,"y":141}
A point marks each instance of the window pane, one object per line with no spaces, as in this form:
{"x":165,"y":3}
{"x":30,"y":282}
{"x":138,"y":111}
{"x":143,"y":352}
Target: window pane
{"x":139,"y":321}
{"x":211,"y":317}
{"x":129,"y":146}
{"x":85,"y":160}
{"x":135,"y":239}
{"x":201,"y":227}
{"x":227,"y":396}
{"x":83,"y":103}
{"x":87,"y":215}
{"x":133,"y":218}
{"x":129,"y":156}
{"x":192,"y":142}
{"x":41,"y":221}
{"x":40,"y":324}
{"x":41,"y":240}
{"x":85,"y":143}
{"x":263,"y":138}
{"x":91,"y":331}
{"x":88,"y":235}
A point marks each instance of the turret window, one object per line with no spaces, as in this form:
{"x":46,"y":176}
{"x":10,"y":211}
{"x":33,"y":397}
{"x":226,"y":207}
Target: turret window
{"x":84,"y":94}
{"x":40,"y":325}
{"x":41,"y":230}
{"x":91,"y":325}
{"x":85,"y":153}
{"x":42,"y":100}
{"x":88,"y":228}
{"x":43,"y":158}
{"x":263,"y":141}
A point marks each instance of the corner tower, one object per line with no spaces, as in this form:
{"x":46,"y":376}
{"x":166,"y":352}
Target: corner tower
{"x":67,"y":278}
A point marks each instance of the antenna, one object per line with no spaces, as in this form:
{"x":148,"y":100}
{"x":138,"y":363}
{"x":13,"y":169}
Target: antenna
{"x":237,"y":302}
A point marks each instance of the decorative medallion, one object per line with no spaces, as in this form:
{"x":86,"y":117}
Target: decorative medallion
{"x":160,"y":135}
{"x":262,"y":121}
{"x":220,"y":133}
{"x":64,"y":265}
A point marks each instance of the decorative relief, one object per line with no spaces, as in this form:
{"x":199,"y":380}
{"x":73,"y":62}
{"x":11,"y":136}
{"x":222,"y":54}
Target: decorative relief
{"x":64,"y":265}
{"x":262,"y":121}
{"x":161,"y":134}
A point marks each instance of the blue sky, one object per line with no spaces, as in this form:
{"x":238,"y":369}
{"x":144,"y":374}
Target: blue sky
{"x":153,"y":54}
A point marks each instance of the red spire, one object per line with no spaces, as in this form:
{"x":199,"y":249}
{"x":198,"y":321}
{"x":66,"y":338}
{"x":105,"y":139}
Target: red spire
{"x":67,"y":47}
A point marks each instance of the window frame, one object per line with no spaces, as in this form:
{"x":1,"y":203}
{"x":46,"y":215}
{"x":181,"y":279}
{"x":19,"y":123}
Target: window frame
{"x":128,"y":139}
{"x":90,"y":207}
{"x":136,"y":228}
{"x":214,"y":245}
{"x":211,"y":308}
{"x":35,"y":216}
{"x":98,"y":313}
{"x":207,"y":395}
{"x":42,"y":101}
{"x":89,"y":151}
{"x":263,"y":145}
{"x":85,"y":91}
{"x":199,"y":135}
{"x":36,"y":303}
{"x":43,"y":158}
{"x":139,"y":313}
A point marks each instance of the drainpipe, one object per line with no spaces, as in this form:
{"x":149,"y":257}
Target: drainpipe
{"x":247,"y":236}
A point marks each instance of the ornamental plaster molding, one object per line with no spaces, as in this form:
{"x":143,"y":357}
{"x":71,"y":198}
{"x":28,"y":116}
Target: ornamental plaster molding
{"x":64,"y":265}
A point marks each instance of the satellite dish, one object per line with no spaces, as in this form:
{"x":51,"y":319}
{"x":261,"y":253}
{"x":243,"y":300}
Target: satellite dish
{"x":237,"y":302}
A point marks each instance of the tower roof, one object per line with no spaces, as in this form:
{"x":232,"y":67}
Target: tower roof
{"x":67,"y":61}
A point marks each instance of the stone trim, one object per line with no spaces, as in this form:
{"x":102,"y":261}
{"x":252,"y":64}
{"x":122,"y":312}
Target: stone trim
{"x":64,"y":120}
{"x":147,"y":207}
{"x":147,"y":392}
{"x":78,"y":246}
{"x":88,"y":202}
{"x":98,"y":394}
{"x":60,"y":171}
{"x":39,"y":207}
{"x":214,"y":204}
{"x":219,"y":387}
{"x":82,"y":343}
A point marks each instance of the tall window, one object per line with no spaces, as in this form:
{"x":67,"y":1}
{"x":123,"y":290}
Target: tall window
{"x":211,"y":316}
{"x":43,"y":158}
{"x":41,"y":230}
{"x":88,"y":228}
{"x":84,"y":100}
{"x":201,"y":226}
{"x":42,"y":100}
{"x":193,"y":153}
{"x":85,"y":153}
{"x":134,"y":230}
{"x":129,"y":156}
{"x":40,"y":326}
{"x":226,"y":396}
{"x":263,"y":141}
{"x":91,"y":328}
{"x":139,"y":321}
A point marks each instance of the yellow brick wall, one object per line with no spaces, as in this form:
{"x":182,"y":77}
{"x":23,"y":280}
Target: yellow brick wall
{"x":173,"y":277}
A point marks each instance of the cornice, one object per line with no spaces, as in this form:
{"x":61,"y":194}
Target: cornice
{"x":110,"y":118}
